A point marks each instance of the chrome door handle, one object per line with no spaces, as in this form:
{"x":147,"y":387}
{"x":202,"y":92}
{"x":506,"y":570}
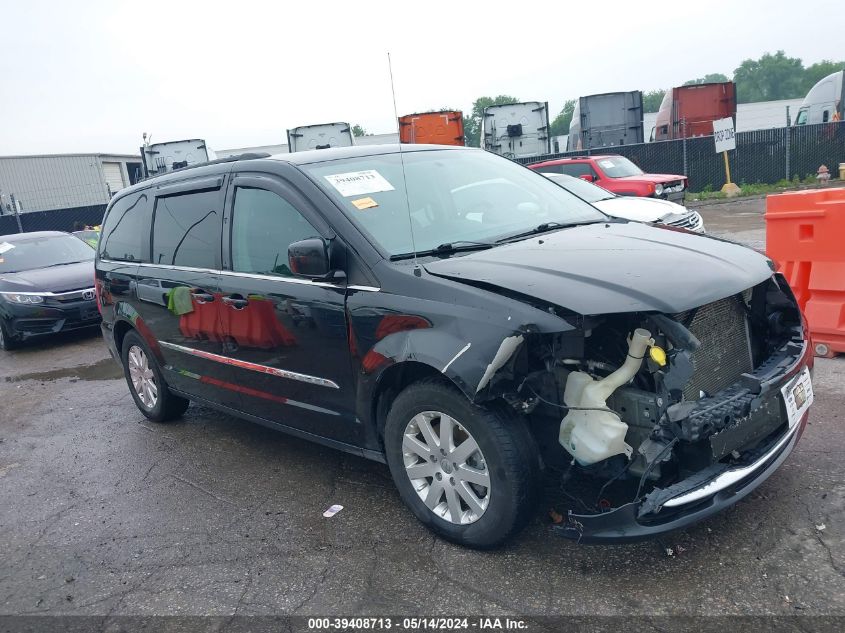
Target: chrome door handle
{"x":202,"y":297}
{"x":238,"y":303}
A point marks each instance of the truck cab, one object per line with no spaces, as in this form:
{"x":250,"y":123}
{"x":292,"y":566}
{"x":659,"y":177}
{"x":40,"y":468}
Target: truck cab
{"x":824,"y":102}
{"x":160,"y":158}
{"x":320,"y":136}
{"x":517,"y":129}
{"x":688,"y":111}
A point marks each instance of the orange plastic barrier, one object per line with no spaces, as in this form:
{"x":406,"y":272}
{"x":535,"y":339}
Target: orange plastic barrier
{"x":805,"y":236}
{"x":255,"y":325}
{"x":203,"y":322}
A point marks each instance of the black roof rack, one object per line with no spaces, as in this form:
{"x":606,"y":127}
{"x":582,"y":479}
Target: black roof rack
{"x":216,"y":161}
{"x":228,"y":159}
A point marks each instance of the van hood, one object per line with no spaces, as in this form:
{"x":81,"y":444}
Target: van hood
{"x":613,"y":267}
{"x":54,"y":279}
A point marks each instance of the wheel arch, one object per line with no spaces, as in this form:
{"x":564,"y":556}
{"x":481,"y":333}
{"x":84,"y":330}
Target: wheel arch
{"x":119,"y":331}
{"x":393,"y":380}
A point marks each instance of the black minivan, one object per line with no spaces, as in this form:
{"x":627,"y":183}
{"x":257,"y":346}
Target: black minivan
{"x":466,"y":321}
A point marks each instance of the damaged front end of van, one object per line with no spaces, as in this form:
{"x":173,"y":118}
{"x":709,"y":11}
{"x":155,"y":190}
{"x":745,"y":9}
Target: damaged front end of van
{"x":658,"y":415}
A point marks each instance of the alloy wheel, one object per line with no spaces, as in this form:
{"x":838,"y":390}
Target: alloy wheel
{"x":142,"y":377}
{"x":446,"y":467}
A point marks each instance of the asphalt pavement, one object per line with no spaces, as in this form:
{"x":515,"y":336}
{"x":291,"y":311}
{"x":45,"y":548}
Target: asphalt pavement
{"x":104,"y":513}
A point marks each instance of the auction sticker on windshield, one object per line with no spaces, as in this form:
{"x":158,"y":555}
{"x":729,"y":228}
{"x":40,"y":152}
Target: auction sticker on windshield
{"x":359,"y":183}
{"x":798,"y":396}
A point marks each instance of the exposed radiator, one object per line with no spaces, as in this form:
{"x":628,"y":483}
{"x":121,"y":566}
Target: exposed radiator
{"x":725,"y":352}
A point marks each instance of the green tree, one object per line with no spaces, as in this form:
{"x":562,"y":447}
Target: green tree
{"x":820,"y":70}
{"x":770,"y":77}
{"x":710,"y":78}
{"x":358,"y":130}
{"x":472,"y":123}
{"x":560,"y":125}
{"x":652,"y":100}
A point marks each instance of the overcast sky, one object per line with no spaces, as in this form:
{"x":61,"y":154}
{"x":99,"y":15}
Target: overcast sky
{"x":93,"y":77}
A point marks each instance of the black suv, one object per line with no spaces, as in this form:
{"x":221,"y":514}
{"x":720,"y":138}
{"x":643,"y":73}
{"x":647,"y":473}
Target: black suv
{"x":466,"y":321}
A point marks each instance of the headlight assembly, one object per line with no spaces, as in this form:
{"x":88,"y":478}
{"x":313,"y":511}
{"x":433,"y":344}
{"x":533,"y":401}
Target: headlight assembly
{"x":658,"y":190}
{"x":17,"y":297}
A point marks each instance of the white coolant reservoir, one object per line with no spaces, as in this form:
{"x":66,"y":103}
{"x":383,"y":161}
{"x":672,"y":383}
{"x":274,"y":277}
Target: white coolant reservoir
{"x":590,"y":432}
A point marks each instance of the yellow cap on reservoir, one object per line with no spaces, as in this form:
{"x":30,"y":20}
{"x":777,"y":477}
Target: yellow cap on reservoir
{"x":658,"y":355}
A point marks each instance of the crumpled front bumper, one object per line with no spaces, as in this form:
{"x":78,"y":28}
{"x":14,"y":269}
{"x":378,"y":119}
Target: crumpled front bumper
{"x":700,"y":496}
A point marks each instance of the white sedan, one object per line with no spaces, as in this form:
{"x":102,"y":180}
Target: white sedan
{"x":651,"y":210}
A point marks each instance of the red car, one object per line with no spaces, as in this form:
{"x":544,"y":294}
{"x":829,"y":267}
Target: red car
{"x":618,"y":175}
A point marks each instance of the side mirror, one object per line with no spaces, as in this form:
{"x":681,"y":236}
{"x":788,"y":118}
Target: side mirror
{"x":309,"y":257}
{"x":587,"y":177}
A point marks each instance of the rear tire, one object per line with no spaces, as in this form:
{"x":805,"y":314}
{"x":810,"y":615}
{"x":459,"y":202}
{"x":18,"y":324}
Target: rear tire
{"x":146,"y":382}
{"x":6,"y":341}
{"x":478,"y":496}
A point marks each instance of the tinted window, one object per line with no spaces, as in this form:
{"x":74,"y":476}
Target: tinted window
{"x":41,"y":252}
{"x":576,"y":169}
{"x":263,"y":226}
{"x":187,"y":230}
{"x":126,"y":232}
{"x":551,"y":169}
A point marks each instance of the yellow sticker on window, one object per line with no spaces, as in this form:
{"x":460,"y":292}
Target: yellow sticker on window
{"x":364,"y":203}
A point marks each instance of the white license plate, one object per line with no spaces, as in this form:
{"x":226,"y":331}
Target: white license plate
{"x":798,"y":396}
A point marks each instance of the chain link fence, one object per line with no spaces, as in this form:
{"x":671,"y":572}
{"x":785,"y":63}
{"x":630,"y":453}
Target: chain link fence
{"x":761,"y":156}
{"x":73,"y":219}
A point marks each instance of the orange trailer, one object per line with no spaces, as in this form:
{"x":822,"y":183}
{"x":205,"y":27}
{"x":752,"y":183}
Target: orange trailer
{"x":439,"y":128}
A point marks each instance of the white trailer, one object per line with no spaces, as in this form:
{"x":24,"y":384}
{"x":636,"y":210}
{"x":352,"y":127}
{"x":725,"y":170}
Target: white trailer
{"x":160,"y":158}
{"x":320,"y":136}
{"x":517,"y":129}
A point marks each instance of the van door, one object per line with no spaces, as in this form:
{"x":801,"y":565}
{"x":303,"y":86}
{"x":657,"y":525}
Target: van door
{"x":178,"y":288}
{"x":286,"y":335}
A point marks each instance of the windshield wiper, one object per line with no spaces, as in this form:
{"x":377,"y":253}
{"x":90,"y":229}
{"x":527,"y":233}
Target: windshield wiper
{"x":447,"y":248}
{"x":545,"y":227}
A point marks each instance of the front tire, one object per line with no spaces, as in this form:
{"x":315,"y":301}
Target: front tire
{"x":146,"y":382}
{"x":6,"y":341}
{"x":469,"y":473}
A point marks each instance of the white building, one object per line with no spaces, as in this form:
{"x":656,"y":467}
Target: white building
{"x":64,"y":181}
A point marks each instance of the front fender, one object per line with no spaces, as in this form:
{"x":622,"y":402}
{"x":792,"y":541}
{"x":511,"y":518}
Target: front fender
{"x":468,"y":346}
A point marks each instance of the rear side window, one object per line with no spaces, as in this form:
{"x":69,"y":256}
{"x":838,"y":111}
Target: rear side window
{"x":187,"y":230}
{"x":577,"y":169}
{"x":263,"y":226}
{"x":551,"y":169}
{"x":126,"y":231}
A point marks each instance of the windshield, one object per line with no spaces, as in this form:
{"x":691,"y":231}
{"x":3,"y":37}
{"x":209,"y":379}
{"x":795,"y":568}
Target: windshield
{"x":580,"y":187}
{"x":618,"y":167}
{"x":41,"y":252}
{"x":453,"y":196}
